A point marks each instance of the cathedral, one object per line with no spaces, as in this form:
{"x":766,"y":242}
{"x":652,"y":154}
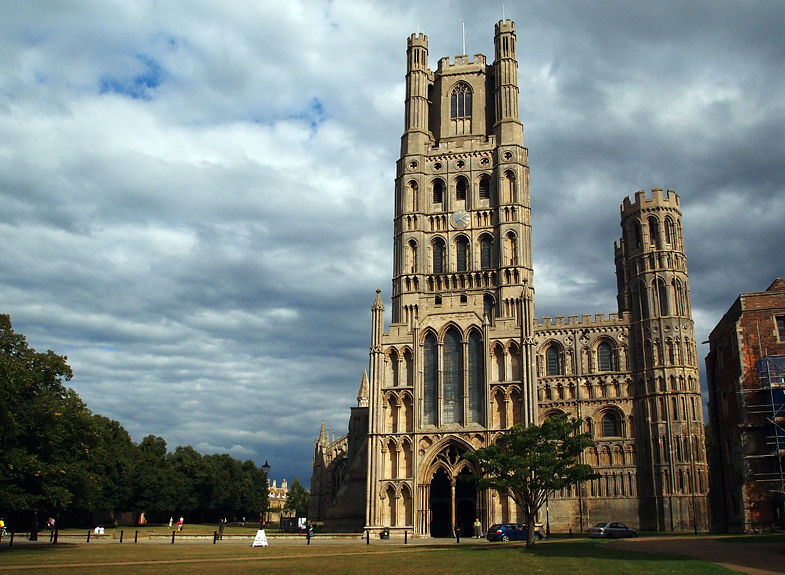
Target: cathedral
{"x":465,"y":358}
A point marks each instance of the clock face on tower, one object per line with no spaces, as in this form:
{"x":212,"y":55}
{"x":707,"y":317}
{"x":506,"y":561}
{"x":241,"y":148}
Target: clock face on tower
{"x":460,"y":220}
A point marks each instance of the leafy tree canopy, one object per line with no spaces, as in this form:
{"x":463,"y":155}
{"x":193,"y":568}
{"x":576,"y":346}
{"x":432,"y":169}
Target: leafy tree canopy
{"x":530,"y":463}
{"x":297,"y":499}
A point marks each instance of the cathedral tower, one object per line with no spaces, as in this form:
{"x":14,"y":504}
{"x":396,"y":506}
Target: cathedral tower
{"x":654,"y":289}
{"x":462,"y":276}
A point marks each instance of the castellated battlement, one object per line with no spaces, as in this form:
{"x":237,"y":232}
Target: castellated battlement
{"x":504,"y":26}
{"x":614,"y":319}
{"x":669,"y":198}
{"x":420,"y":40}
{"x":447,"y":65}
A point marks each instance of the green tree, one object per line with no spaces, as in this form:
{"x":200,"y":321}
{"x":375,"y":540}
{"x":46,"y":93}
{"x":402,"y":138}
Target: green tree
{"x":45,"y":438}
{"x":297,"y":499}
{"x":530,"y":463}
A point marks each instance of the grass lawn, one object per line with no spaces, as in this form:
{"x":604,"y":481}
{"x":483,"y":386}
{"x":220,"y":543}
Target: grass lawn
{"x":574,"y":556}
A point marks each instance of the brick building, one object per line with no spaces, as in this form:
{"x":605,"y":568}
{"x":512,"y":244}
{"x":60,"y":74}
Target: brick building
{"x":745,"y":369}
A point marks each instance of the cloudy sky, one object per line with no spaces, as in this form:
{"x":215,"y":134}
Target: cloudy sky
{"x":196,"y":197}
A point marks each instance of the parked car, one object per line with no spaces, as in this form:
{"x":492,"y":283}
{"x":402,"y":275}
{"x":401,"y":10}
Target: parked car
{"x":611,"y":530}
{"x":510,"y":532}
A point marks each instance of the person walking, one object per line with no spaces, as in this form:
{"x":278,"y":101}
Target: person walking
{"x":221,"y":525}
{"x":477,"y":528}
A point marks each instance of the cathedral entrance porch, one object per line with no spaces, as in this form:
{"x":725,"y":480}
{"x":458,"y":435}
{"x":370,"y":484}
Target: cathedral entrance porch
{"x":453,"y":504}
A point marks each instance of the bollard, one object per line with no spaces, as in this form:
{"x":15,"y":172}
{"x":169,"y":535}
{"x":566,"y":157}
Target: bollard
{"x":88,"y":536}
{"x":570,"y":533}
{"x":215,"y":537}
{"x":367,"y":536}
{"x":136,"y":536}
{"x":307,"y":537}
{"x":173,"y":532}
{"x":56,"y":534}
{"x":11,"y":541}
{"x":51,"y":535}
{"x":121,"y":535}
{"x":405,"y":537}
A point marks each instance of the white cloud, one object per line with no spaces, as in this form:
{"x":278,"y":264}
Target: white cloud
{"x":197,"y":197}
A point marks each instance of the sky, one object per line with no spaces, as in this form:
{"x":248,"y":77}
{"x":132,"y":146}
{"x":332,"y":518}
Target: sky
{"x":196,"y":198}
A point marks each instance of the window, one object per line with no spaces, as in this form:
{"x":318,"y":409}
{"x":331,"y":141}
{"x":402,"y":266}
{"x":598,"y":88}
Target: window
{"x":460,"y":190}
{"x":668,"y":231}
{"x":552,"y":361}
{"x":475,"y":374}
{"x":604,"y":362}
{"x":430,"y":378}
{"x":610,"y":425}
{"x":485,"y":188}
{"x":438,"y":257}
{"x":489,"y":307}
{"x":654,"y":231}
{"x":438,"y":191}
{"x":452,"y":374}
{"x":485,"y":252}
{"x":461,"y":102}
{"x":461,"y":255}
{"x":781,"y":327}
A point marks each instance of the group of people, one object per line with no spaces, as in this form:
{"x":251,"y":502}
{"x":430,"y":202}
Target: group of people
{"x":179,"y":523}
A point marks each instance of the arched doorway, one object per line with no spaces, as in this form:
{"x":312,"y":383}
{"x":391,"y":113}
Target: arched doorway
{"x":465,"y":502}
{"x":440,"y":504}
{"x":452,"y":500}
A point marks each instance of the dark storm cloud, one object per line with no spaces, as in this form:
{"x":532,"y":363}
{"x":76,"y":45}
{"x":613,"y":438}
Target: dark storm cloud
{"x":197,"y":199}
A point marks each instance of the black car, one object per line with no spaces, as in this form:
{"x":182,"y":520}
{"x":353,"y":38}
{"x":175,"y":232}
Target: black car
{"x":510,"y":532}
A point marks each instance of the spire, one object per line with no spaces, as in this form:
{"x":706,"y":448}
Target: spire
{"x":363,"y":396}
{"x":322,"y":435}
{"x":377,"y":304}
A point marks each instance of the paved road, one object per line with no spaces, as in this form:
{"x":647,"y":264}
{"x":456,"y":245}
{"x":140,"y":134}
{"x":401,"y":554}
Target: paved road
{"x":752,"y":558}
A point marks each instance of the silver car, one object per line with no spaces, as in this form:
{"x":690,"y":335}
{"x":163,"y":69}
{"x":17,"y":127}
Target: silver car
{"x":611,"y":530}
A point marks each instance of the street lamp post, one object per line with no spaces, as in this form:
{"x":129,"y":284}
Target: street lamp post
{"x":266,"y":469}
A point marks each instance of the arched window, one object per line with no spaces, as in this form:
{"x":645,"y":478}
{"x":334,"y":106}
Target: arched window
{"x":411,"y":257}
{"x":610,"y":425}
{"x":486,"y":251}
{"x":452,"y":374}
{"x":604,"y":359}
{"x":662,"y":306}
{"x":462,"y":254}
{"x":489,"y":307}
{"x":552,"y":361}
{"x":461,"y":102}
{"x":638,"y":238}
{"x":430,"y":378}
{"x":508,"y":187}
{"x":460,"y":189}
{"x":669,"y":235}
{"x":438,"y":191}
{"x":654,"y":231}
{"x":510,"y":249}
{"x":476,"y":379}
{"x":410,"y":199}
{"x":485,"y":188}
{"x":438,"y":256}
{"x":461,"y":109}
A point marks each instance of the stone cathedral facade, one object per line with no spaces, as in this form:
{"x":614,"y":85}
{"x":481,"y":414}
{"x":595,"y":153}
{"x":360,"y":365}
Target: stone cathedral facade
{"x":465,"y":358}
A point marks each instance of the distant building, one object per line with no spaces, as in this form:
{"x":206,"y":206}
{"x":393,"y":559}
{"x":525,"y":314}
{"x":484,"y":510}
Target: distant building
{"x":465,"y":358}
{"x":277,"y":500}
{"x":745,"y":371}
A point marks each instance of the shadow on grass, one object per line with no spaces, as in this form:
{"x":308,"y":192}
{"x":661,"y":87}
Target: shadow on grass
{"x":582,"y":549}
{"x":19,"y":546}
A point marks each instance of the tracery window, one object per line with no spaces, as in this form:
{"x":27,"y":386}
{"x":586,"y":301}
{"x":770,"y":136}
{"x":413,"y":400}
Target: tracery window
{"x":461,"y":102}
{"x":461,"y":109}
